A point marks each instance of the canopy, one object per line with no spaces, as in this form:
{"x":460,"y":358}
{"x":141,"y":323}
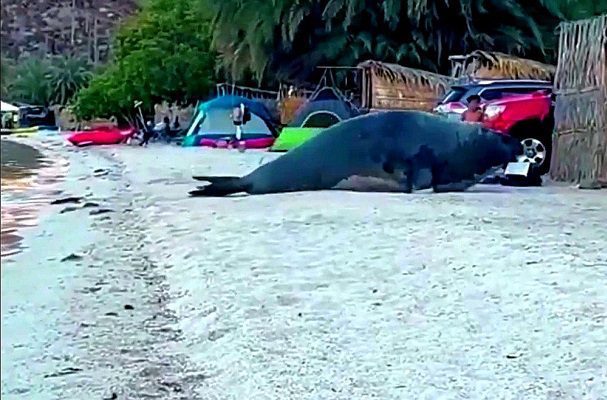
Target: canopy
{"x":8,"y":107}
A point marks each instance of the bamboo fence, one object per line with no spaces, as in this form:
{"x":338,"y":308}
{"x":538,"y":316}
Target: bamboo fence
{"x":579,"y":151}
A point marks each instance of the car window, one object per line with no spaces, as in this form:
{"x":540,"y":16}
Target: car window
{"x":494,"y":94}
{"x":455,"y":94}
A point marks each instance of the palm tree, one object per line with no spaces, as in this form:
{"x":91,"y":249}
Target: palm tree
{"x":7,"y":75}
{"x":32,"y":82}
{"x":287,"y":38}
{"x":68,"y":75}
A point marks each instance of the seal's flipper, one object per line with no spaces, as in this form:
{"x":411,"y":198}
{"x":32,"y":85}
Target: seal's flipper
{"x":219,"y":187}
{"x":489,"y":172}
{"x":215,"y":179}
{"x":453,"y":187}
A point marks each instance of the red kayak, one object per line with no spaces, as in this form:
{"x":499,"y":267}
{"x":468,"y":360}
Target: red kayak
{"x":101,"y":135}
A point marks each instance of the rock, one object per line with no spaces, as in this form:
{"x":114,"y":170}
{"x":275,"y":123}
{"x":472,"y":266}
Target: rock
{"x":111,"y":314}
{"x":100,"y":172}
{"x":65,"y":200}
{"x":100,"y":211}
{"x":90,"y":204}
{"x":92,"y":289}
{"x":63,"y":372}
{"x":39,"y":27}
{"x":128,"y":307}
{"x":68,"y":209}
{"x":72,"y":257}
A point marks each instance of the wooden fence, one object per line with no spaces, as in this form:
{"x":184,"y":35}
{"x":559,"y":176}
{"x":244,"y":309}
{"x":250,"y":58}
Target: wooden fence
{"x":579,"y":153}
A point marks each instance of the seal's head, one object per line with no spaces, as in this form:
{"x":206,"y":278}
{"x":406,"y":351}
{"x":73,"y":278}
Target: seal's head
{"x":497,"y":149}
{"x":511,"y":148}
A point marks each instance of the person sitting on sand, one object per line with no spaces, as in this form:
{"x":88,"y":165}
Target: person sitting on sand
{"x":474,"y":113}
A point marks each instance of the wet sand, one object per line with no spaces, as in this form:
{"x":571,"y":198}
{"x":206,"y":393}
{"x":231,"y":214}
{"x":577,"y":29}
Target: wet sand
{"x":496,"y":293}
{"x":29,"y":180}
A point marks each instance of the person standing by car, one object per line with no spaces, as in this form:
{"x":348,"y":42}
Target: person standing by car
{"x":473,"y":113}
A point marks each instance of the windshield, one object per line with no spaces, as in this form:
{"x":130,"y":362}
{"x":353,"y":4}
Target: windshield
{"x":455,"y":94}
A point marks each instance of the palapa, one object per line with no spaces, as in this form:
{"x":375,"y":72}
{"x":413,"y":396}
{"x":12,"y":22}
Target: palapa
{"x":393,"y":86}
{"x":495,"y":65}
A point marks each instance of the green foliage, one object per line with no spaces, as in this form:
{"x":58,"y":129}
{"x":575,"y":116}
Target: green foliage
{"x":167,"y":51}
{"x":44,"y":81}
{"x":163,"y":53}
{"x":7,"y":74}
{"x":68,"y":76}
{"x":32,"y":82}
{"x":286,"y":39}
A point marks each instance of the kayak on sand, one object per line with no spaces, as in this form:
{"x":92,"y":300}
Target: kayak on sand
{"x":101,"y":136}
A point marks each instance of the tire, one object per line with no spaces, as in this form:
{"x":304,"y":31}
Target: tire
{"x":538,"y":150}
{"x":536,"y":139}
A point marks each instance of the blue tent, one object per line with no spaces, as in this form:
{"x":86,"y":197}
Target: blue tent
{"x":212,"y":118}
{"x":229,"y":102}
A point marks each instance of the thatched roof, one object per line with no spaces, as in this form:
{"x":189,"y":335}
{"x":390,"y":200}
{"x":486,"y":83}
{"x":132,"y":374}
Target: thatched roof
{"x":393,"y":86}
{"x":409,"y":77}
{"x":483,"y":64}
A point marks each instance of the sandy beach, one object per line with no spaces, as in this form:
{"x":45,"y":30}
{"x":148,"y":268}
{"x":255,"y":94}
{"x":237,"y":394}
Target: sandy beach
{"x":139,"y":292}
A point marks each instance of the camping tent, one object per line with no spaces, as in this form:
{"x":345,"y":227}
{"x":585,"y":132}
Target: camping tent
{"x":10,"y":117}
{"x":213,"y":120}
{"x":323,"y":109}
{"x":5,"y":107}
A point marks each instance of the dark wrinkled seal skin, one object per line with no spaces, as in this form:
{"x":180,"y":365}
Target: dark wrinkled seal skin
{"x":409,"y":150}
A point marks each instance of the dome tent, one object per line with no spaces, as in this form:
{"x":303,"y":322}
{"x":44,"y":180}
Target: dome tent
{"x":213,"y":121}
{"x":326,"y":107}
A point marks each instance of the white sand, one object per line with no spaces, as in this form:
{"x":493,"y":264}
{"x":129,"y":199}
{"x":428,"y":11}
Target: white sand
{"x":498,"y":293}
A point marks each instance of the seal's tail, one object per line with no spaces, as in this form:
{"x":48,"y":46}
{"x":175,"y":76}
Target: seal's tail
{"x":219,"y":186}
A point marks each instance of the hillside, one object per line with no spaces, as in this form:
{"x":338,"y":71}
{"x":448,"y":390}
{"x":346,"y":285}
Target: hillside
{"x":81,"y":27}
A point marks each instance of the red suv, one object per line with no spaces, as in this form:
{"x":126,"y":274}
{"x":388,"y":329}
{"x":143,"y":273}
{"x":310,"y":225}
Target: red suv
{"x":528,"y":117}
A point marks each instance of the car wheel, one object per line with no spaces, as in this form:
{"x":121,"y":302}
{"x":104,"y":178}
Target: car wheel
{"x":537,"y":151}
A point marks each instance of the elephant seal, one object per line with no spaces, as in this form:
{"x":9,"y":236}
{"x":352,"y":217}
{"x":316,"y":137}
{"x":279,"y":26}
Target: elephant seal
{"x":409,"y":150}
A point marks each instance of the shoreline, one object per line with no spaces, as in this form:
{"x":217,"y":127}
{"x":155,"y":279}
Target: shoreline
{"x":307,"y":295}
{"x":26,"y":198}
{"x":78,"y":270}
